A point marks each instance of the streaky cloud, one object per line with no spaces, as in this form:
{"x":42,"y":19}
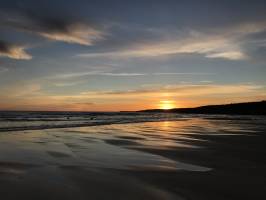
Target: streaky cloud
{"x":103,"y":73}
{"x":231,"y":55}
{"x":93,"y":73}
{"x":186,"y":90}
{"x":75,"y":33}
{"x":224,"y":43}
{"x":180,"y":73}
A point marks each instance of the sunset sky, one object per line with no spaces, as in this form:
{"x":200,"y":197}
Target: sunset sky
{"x":130,"y":55}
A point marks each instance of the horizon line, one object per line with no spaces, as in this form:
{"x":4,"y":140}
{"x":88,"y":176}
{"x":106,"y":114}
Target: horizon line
{"x":128,"y":110}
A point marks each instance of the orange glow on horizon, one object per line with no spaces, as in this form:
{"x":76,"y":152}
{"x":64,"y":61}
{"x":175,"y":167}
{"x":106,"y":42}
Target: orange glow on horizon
{"x":80,"y":103}
{"x":167,"y":104}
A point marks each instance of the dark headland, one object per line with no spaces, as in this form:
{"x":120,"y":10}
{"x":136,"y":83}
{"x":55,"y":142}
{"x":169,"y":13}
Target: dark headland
{"x":249,"y":108}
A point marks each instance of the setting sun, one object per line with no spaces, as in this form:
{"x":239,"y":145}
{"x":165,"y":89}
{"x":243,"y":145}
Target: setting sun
{"x":167,"y":104}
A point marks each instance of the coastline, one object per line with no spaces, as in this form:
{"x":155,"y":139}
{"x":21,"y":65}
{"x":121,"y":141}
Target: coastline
{"x":248,"y":108}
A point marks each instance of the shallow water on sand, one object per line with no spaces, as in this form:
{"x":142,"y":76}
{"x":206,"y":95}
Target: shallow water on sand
{"x":115,"y":161}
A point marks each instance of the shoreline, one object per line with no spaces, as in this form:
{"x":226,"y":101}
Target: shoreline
{"x":102,"y":123}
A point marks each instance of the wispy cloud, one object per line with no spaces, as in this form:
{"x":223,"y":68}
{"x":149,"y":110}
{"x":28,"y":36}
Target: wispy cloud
{"x":93,"y":73}
{"x":209,"y":47}
{"x":74,"y":33}
{"x":13,"y":51}
{"x":188,"y":90}
{"x":66,"y":84}
{"x":224,"y":43}
{"x":103,"y":73}
{"x":182,"y":73}
{"x":21,"y":90}
{"x":206,"y":81}
{"x":121,"y":74}
{"x":231,"y":55}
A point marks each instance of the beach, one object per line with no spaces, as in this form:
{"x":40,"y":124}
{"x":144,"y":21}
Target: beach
{"x":190,"y":157}
{"x":132,"y":100}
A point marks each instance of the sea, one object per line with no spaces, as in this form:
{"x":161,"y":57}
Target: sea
{"x":35,"y":120}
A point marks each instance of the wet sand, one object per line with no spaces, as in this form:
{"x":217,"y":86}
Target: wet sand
{"x":197,"y":158}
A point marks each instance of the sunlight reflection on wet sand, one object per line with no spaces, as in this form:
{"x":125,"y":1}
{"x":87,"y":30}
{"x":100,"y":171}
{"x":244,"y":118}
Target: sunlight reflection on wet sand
{"x":133,"y":147}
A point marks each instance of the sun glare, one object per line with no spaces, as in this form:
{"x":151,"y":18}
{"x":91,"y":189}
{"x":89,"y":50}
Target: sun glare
{"x":167,"y":104}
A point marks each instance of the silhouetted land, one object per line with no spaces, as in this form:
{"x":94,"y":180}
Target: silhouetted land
{"x":250,"y":108}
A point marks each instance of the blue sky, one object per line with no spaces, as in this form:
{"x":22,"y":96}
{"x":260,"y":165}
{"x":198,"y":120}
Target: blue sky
{"x":130,"y":55}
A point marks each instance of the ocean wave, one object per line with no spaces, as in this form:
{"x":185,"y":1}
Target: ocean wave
{"x":19,"y":121}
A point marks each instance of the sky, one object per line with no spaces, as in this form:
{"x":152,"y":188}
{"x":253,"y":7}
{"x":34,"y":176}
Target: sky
{"x":120,"y":55}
